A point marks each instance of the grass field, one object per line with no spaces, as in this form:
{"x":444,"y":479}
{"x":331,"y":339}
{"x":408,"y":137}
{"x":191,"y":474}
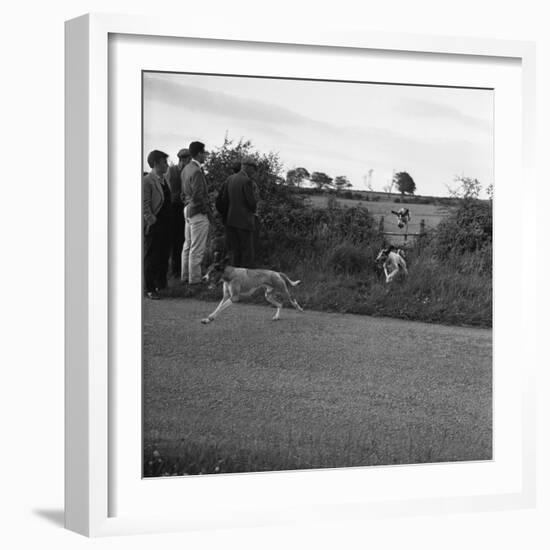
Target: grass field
{"x":314,"y":390}
{"x":430,"y":213}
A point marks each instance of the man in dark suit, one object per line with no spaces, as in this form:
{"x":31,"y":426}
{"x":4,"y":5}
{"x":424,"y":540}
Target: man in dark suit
{"x":240,"y":198}
{"x":156,"y":220}
{"x":177,"y":225}
{"x":197,"y":213}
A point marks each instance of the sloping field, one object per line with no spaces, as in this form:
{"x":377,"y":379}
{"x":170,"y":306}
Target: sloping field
{"x":430,"y":213}
{"x":313,"y":390}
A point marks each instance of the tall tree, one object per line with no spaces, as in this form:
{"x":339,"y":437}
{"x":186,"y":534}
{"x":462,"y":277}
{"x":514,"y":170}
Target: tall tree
{"x":296,"y":176}
{"x":404,"y":183}
{"x":367,"y":180}
{"x":341,"y":182}
{"x":321,"y":180}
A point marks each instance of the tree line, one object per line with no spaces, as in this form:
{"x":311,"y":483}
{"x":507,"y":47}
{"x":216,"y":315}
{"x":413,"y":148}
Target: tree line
{"x":403,"y":181}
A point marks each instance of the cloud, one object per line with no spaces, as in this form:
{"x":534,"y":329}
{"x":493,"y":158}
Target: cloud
{"x":219,"y":103}
{"x":267,"y":118}
{"x":321,"y":144}
{"x":433,"y":110}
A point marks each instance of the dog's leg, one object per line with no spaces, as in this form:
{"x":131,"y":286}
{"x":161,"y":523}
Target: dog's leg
{"x":269,"y":296}
{"x":386,"y":273}
{"x":294,"y":303}
{"x":225,"y":303}
{"x":282,"y":288}
{"x":389,"y":279}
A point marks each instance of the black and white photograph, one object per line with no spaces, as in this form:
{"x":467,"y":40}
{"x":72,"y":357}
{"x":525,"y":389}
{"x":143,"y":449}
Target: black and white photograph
{"x":317,"y":274}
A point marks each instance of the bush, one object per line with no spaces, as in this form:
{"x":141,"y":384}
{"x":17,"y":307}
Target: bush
{"x":347,"y":258}
{"x":469,"y":229}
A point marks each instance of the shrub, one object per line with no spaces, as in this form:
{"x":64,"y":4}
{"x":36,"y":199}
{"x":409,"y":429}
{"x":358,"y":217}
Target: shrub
{"x":347,"y":258}
{"x":469,"y":229}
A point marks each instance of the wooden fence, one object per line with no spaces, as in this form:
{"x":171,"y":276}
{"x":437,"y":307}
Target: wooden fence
{"x":405,"y":234}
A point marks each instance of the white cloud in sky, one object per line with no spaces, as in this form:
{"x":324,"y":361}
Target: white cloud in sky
{"x":338,"y":128}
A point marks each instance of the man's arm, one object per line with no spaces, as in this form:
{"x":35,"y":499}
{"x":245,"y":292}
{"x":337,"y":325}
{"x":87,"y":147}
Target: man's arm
{"x":222,"y":200}
{"x":199,"y":195}
{"x":182,"y":182}
{"x":148,"y":215}
{"x":250,"y":196}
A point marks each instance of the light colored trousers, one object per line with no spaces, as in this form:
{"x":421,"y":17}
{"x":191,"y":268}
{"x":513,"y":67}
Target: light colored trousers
{"x":194,"y":247}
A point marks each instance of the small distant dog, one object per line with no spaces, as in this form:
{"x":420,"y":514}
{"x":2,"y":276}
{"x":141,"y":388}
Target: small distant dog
{"x":403,"y":217}
{"x":393,"y":260}
{"x":239,"y":281}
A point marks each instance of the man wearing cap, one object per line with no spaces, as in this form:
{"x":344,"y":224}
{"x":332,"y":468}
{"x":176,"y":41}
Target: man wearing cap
{"x":197,"y":213}
{"x":177,"y":227}
{"x":241,"y":197}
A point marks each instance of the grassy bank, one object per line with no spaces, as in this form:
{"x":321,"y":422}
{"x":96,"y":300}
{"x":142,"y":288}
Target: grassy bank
{"x":333,"y":252}
{"x":434,"y":291}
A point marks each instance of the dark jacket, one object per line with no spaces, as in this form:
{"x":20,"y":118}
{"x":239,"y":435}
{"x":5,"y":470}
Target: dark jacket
{"x":241,"y":200}
{"x":174,"y":180}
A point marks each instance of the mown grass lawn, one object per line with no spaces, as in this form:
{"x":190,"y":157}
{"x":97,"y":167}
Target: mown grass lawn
{"x":314,"y":390}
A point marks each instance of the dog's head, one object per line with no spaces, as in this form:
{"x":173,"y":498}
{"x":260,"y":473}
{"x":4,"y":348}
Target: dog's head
{"x":215,"y":271}
{"x":384,"y":253}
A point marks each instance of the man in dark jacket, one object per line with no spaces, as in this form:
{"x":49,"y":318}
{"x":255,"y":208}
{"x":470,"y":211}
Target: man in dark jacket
{"x":240,"y":199}
{"x":156,"y":222}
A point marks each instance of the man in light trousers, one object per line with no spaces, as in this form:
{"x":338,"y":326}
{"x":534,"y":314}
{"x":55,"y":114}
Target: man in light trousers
{"x":197,"y":213}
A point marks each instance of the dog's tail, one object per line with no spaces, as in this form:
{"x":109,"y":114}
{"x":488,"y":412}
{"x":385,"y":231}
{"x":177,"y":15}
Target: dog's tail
{"x":291,"y":283}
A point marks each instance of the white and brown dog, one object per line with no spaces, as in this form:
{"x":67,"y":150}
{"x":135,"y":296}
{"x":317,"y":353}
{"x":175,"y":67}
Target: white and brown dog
{"x":239,"y":281}
{"x":403,"y":217}
{"x":393,"y":260}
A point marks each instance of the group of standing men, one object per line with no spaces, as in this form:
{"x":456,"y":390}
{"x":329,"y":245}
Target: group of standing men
{"x":177,"y":216}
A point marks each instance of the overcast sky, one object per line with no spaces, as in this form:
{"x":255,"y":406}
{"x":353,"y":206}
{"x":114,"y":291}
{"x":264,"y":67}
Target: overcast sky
{"x":332,"y":127}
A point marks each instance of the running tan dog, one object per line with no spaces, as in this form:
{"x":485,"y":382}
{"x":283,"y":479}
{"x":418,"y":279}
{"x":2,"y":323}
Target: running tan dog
{"x":239,"y":281}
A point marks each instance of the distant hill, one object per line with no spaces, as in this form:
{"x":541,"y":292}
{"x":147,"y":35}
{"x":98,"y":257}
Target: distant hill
{"x":375,"y":196}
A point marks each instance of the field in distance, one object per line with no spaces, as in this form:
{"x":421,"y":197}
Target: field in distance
{"x":432,"y":214}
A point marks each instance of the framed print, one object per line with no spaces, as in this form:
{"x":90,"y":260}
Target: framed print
{"x":300,"y":311}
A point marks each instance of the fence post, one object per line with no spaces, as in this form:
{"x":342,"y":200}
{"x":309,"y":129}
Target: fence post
{"x":422,"y":227}
{"x":381,"y":225}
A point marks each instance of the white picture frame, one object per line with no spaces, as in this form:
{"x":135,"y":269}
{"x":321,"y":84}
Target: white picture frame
{"x":92,"y":399}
